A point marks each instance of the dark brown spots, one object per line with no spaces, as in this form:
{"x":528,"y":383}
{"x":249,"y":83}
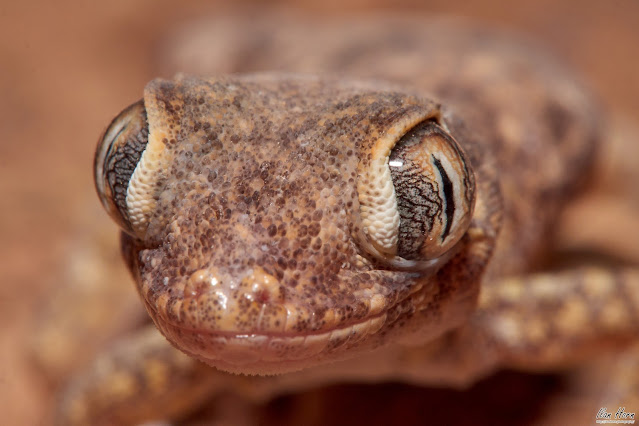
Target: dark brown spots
{"x":281,"y":262}
{"x":305,"y":242}
{"x":314,"y":229}
{"x":245,"y":200}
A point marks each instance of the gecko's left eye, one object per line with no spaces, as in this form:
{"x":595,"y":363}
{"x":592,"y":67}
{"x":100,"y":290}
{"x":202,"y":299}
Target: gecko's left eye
{"x":427,"y":197}
{"x":117,"y":156}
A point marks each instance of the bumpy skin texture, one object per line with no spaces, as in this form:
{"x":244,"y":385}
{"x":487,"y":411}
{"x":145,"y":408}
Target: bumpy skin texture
{"x":254,"y":258}
{"x":284,"y":207}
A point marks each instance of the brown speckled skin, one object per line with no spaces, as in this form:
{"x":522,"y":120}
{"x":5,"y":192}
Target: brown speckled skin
{"x":260,"y":188}
{"x":284,"y":202}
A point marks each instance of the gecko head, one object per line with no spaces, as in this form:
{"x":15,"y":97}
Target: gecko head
{"x":276,"y":222}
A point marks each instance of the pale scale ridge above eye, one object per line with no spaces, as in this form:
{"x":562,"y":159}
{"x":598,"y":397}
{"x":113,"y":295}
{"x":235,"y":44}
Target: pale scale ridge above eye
{"x":147,"y":177}
{"x":139,"y":198}
{"x":379,"y":209}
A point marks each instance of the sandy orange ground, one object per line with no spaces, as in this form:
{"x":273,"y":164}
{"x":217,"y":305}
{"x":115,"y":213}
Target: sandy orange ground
{"x":66,"y":67}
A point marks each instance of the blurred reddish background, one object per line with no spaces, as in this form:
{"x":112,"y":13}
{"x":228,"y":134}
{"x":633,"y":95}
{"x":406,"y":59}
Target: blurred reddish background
{"x":66,"y":67}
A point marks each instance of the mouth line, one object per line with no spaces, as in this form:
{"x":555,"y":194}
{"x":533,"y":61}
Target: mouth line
{"x":366,"y":324}
{"x":252,"y":352}
{"x":255,"y":351}
{"x":274,"y":334}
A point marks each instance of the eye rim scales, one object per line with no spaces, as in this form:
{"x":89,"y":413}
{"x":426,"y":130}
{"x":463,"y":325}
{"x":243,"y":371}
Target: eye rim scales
{"x":386,"y":245}
{"x":118,"y":154}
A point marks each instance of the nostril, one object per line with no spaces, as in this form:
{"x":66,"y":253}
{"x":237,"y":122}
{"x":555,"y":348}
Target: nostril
{"x":262,"y":296}
{"x":200,"y":282}
{"x":263,"y":287}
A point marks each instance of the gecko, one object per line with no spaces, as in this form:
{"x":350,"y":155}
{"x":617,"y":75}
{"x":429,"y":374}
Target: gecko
{"x":373,"y":211}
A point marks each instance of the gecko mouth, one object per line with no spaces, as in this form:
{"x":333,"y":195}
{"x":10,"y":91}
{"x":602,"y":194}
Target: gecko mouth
{"x":260,"y":350}
{"x":268,"y":353}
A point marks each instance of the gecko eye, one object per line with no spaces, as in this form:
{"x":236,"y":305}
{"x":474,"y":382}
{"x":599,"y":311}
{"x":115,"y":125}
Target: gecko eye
{"x":117,"y":155}
{"x":427,"y":200}
{"x":435,"y":192}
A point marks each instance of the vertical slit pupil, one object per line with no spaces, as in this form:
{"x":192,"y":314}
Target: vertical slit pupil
{"x":448,"y":195}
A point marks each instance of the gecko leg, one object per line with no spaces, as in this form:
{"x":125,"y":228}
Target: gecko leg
{"x":551,"y":320}
{"x":142,"y":378}
{"x":541,"y":322}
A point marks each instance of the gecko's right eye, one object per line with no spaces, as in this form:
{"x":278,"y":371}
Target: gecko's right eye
{"x":117,"y":155}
